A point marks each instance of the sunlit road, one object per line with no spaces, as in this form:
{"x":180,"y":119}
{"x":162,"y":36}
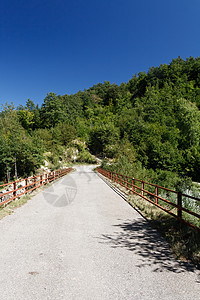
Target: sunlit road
{"x":78,"y":239}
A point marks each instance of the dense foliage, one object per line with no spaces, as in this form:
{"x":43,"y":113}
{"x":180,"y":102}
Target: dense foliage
{"x":148,"y":127}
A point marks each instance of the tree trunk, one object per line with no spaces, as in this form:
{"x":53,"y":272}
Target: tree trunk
{"x":8,"y":174}
{"x":15,"y":167}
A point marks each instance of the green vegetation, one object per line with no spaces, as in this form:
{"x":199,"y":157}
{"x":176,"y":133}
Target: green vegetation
{"x":148,"y":128}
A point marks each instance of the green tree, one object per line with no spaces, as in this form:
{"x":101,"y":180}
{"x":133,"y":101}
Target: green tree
{"x":103,"y":139}
{"x":52,"y":111}
{"x":63,"y":133}
{"x":18,"y":154}
{"x":188,"y":122}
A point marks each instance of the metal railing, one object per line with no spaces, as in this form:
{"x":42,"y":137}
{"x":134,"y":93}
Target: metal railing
{"x":174,"y":203}
{"x":18,"y":188}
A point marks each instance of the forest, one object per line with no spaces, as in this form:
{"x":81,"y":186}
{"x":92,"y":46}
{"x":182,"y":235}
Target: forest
{"x":148,"y":128}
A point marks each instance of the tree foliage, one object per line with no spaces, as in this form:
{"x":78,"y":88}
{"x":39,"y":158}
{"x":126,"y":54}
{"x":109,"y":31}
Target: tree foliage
{"x":149,"y":125}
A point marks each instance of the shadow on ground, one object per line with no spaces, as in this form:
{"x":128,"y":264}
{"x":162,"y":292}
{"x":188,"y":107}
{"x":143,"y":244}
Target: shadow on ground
{"x":150,"y":248}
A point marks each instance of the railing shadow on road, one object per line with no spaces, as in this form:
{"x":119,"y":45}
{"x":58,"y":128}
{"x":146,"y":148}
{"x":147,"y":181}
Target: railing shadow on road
{"x":149,"y":247}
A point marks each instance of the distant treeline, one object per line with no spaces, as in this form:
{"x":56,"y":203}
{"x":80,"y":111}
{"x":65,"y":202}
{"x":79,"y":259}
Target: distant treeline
{"x":148,"y":127}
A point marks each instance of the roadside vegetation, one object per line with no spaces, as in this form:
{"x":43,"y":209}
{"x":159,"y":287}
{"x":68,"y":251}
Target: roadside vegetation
{"x":149,"y":127}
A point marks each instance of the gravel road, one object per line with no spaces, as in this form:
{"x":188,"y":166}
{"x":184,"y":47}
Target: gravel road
{"x":78,"y":239}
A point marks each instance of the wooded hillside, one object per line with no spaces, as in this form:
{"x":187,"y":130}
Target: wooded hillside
{"x":148,"y":127}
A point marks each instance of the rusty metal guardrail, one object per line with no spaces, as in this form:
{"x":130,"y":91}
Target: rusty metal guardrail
{"x":21,"y":187}
{"x":155,"y":195}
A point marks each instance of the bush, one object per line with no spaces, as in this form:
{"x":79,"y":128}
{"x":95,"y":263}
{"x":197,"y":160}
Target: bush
{"x":86,"y":157}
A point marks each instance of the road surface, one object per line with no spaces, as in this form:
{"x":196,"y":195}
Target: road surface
{"x":78,"y":239}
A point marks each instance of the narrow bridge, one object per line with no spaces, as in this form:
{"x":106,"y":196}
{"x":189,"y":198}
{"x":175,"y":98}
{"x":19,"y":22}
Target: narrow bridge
{"x":78,"y":239}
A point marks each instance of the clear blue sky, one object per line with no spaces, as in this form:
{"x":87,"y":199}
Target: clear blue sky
{"x":65,"y":46}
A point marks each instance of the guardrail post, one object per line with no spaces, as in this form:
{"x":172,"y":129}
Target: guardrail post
{"x":179,"y":203}
{"x":117,"y":177}
{"x":34,"y":180}
{"x":133,"y":185}
{"x":156,"y":194}
{"x":14,"y":188}
{"x":26,"y":183}
{"x":126,"y":183}
{"x":41,"y":180}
